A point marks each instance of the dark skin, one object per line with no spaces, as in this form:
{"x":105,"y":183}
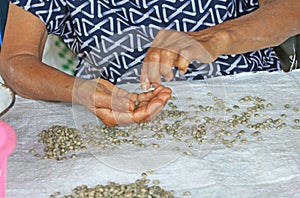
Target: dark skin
{"x":270,"y":25}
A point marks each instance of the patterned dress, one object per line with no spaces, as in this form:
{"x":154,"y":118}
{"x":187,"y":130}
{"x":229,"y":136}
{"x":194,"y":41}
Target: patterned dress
{"x":111,"y":37}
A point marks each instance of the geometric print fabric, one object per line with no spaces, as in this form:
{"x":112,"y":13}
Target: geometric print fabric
{"x":111,"y":37}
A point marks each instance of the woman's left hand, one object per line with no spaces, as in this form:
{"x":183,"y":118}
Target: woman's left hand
{"x":174,"y":49}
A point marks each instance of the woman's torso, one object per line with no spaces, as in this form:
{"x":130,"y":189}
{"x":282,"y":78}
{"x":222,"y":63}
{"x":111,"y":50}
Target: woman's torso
{"x":111,"y":37}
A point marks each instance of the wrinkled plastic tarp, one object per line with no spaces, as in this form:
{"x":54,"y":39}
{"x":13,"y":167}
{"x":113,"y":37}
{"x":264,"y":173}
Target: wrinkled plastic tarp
{"x":267,"y":168}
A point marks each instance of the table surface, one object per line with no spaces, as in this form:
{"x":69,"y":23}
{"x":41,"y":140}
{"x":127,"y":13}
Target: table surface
{"x":267,"y":168}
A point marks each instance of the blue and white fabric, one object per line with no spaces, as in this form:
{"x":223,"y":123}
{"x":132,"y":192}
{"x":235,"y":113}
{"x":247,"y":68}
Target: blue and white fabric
{"x":3,"y":16}
{"x":111,"y":37}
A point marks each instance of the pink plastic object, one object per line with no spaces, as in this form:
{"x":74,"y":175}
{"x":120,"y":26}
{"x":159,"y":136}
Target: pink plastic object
{"x":8,"y":143}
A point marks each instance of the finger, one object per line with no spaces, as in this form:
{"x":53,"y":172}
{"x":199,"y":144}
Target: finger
{"x":147,"y":96}
{"x":157,"y":104}
{"x":113,"y":118}
{"x":144,"y":78}
{"x":145,"y":83}
{"x":106,"y":116}
{"x":122,"y":104}
{"x":164,"y":95}
{"x":112,"y":102}
{"x":155,"y":109}
{"x":123,"y":118}
{"x":147,"y":112}
{"x":163,"y":92}
{"x":152,"y":60}
{"x":123,"y":95}
{"x":182,"y":63}
{"x":167,"y":62}
{"x":161,"y":40}
{"x":133,"y":96}
{"x":141,"y":104}
{"x":162,"y":89}
{"x":110,"y":96}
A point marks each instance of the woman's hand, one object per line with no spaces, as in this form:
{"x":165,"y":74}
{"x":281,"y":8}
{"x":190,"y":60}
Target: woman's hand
{"x":174,"y":49}
{"x":270,"y":25}
{"x":116,"y":106}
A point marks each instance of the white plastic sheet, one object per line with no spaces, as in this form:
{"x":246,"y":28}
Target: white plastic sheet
{"x":268,"y":168}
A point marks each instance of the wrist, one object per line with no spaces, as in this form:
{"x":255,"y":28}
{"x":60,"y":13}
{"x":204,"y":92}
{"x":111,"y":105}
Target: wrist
{"x":80,"y":93}
{"x":215,"y":40}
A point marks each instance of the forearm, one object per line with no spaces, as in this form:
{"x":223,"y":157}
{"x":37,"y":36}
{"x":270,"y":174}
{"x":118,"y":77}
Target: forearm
{"x":20,"y":60}
{"x":268,"y":26}
{"x":29,"y":78}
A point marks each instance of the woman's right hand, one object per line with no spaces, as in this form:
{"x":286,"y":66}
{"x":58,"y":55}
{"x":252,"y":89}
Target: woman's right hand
{"x":116,"y":106}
